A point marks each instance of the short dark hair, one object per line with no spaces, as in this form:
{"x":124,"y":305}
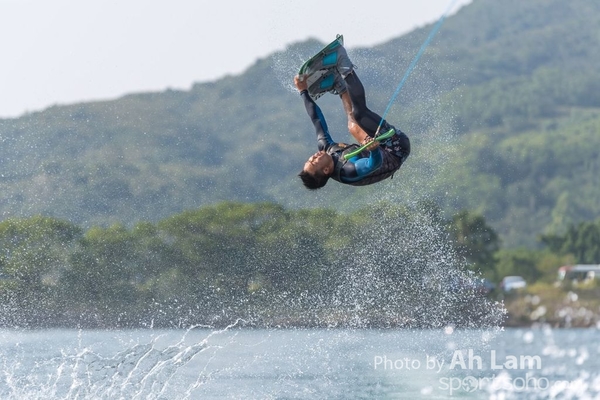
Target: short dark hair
{"x":313,"y":181}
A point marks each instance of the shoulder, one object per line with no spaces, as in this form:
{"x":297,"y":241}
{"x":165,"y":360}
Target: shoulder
{"x":337,"y":147}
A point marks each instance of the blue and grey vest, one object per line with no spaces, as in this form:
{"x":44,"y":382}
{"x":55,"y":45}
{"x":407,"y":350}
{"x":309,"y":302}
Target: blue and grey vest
{"x":389,"y":166}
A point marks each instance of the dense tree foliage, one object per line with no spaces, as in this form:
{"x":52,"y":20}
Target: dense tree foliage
{"x":581,"y":241}
{"x":474,"y":240}
{"x":232,"y":260}
{"x":269,"y":265}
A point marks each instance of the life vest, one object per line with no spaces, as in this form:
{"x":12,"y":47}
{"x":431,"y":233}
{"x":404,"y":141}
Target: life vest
{"x":389,"y":165}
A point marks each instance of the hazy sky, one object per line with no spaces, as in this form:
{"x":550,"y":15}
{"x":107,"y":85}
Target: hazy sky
{"x":68,"y":51}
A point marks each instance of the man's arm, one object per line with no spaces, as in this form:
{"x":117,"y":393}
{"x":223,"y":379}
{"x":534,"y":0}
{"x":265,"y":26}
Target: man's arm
{"x":324,"y":139}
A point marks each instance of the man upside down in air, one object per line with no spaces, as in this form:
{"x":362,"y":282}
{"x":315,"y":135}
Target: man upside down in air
{"x":379,"y":161}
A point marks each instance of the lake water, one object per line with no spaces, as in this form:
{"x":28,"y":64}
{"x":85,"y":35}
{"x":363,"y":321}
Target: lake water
{"x":300,"y":364}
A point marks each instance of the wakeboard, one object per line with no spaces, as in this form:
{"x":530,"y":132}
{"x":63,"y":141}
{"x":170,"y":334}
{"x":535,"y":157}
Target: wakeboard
{"x":320,"y":70}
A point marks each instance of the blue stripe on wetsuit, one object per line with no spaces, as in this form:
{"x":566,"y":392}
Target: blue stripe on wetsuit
{"x":364,"y":166}
{"x":324,"y":140}
{"x":357,"y":167}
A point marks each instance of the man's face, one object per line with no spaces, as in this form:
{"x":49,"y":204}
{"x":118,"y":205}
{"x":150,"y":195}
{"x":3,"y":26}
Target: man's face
{"x":319,"y":162}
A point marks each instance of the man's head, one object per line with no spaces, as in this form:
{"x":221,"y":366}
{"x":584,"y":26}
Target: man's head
{"x":317,"y":170}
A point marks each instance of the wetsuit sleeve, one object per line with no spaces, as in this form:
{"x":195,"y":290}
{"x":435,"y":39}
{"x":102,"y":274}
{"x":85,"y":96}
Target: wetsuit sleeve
{"x":366,"y":165}
{"x":314,"y":112}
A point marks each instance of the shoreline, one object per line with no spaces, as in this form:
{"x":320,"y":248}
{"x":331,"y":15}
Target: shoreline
{"x":559,"y":306}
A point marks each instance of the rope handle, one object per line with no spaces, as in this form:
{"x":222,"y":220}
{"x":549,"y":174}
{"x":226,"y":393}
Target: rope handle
{"x":379,"y":138}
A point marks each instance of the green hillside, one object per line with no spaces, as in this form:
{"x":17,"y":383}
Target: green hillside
{"x":502,"y":110}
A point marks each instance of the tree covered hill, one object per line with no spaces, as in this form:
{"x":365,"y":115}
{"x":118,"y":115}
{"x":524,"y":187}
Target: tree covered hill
{"x":503,"y":111}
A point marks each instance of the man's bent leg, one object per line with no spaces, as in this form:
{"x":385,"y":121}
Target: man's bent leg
{"x":366,"y":119}
{"x":353,"y":127}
